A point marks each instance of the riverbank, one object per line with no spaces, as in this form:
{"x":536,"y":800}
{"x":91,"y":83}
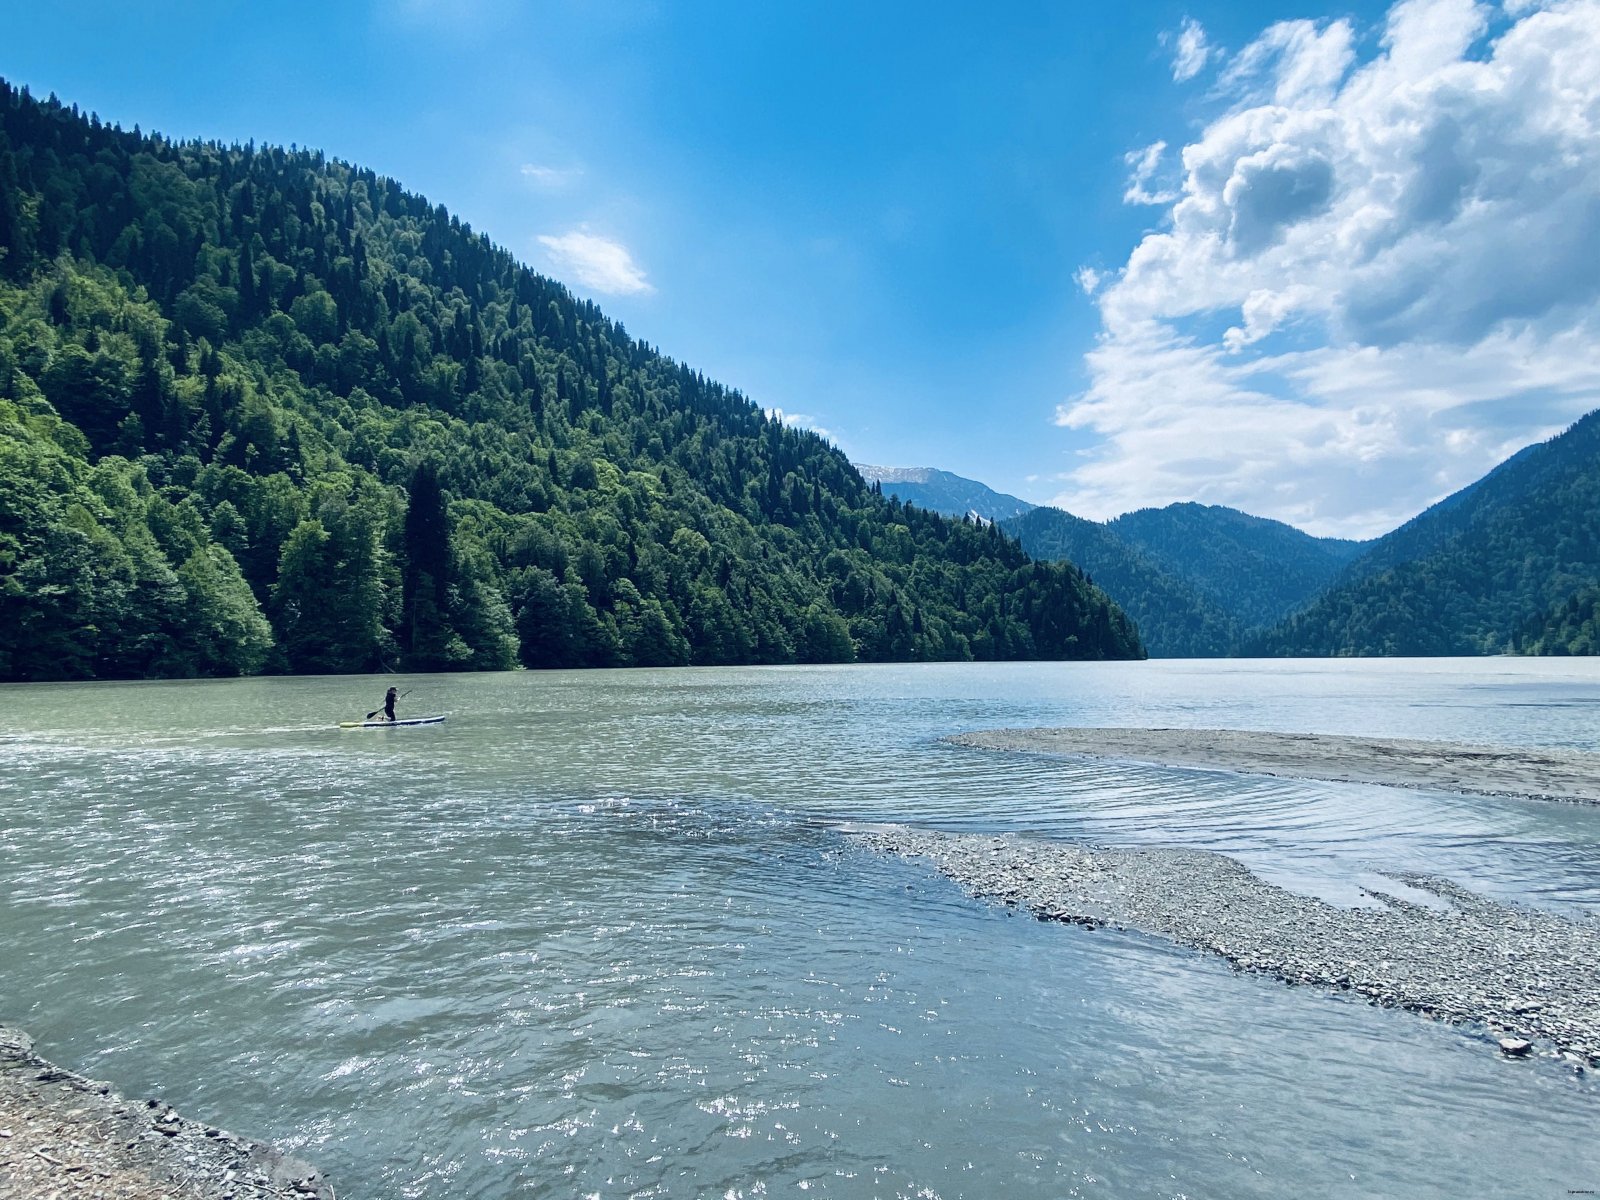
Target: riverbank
{"x":1530,"y":977}
{"x":1533,"y":774}
{"x":65,"y":1136}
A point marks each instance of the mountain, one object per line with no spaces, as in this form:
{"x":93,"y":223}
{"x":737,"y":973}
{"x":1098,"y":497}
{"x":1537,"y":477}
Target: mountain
{"x":1175,"y":619}
{"x":1489,"y":569}
{"x":265,"y":410}
{"x":1572,"y":627}
{"x":1195,"y":578}
{"x":1255,"y":570}
{"x":942,"y":492}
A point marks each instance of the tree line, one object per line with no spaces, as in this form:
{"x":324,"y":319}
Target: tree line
{"x":262,"y":410}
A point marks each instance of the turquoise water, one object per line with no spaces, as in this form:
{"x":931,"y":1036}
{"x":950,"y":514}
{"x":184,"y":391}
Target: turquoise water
{"x":599,"y":934}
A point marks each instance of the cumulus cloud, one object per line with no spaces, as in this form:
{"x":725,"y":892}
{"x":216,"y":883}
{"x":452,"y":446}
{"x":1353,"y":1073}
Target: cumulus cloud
{"x":1376,"y":280}
{"x":1190,"y":51}
{"x":597,"y":263}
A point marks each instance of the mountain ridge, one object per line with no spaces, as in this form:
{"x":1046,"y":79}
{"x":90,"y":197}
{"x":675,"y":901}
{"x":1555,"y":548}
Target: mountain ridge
{"x":1475,"y":572}
{"x":261,"y":409}
{"x":944,"y":492}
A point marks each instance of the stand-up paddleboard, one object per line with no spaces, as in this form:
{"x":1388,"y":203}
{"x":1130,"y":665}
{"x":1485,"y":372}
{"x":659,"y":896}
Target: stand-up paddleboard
{"x":389,"y":724}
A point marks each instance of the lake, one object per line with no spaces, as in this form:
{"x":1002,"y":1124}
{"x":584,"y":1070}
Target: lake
{"x":601,"y":933}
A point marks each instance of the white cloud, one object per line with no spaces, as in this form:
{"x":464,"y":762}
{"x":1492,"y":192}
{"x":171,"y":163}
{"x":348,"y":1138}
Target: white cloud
{"x":799,"y":421}
{"x":1145,"y":164}
{"x":596,"y":263}
{"x":1190,"y":51}
{"x":1293,"y":62}
{"x":1088,"y":280}
{"x":553,"y":178}
{"x":1377,"y":280}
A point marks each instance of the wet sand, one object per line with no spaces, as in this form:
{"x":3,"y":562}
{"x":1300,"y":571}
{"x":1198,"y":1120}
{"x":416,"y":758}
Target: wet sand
{"x":1535,"y":774}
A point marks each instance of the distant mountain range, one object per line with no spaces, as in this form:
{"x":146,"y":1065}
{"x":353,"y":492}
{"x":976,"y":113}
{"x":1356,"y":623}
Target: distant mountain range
{"x":1510,"y":563}
{"x":944,"y":493}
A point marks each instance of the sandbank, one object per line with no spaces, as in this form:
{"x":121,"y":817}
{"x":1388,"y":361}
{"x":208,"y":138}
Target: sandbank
{"x":1530,"y":977}
{"x":1527,"y":773}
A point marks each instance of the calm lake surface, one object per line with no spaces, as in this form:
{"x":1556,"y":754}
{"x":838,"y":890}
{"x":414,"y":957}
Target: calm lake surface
{"x":600,"y":934}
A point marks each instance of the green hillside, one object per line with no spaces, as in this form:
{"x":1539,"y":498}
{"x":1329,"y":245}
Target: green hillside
{"x":1256,"y":570}
{"x":1572,"y":627}
{"x":264,"y":410}
{"x":1175,"y":620}
{"x":1482,"y":572}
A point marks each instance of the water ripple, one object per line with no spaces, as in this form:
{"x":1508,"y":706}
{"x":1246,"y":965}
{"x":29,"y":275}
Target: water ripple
{"x":599,"y":934}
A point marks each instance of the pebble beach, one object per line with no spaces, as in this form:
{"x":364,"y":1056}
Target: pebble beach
{"x":1530,"y":978}
{"x":72,"y":1138}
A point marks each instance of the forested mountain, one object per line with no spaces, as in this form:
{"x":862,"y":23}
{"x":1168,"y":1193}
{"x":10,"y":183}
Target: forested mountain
{"x":944,"y":492}
{"x":1255,"y":570}
{"x":1175,"y":619}
{"x":1572,"y":627}
{"x":264,"y":410}
{"x":1489,"y":569}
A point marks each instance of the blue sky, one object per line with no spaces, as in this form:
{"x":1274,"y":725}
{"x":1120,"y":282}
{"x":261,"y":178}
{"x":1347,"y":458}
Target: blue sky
{"x":1322,"y":264}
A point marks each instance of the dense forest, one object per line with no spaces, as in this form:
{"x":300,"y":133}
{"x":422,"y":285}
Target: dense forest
{"x":1255,"y":570}
{"x":1175,"y":619}
{"x":261,"y":410}
{"x":1500,"y":566}
{"x":1199,"y":580}
{"x":1570,"y":628}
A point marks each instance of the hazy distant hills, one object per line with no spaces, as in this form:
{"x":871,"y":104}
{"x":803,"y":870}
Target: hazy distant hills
{"x":1197,"y":579}
{"x":1507,"y":563}
{"x":1510,"y":563}
{"x":942,"y":492}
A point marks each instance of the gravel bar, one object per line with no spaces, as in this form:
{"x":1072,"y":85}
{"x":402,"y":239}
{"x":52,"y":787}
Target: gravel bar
{"x":1532,"y":977}
{"x":1534,"y":774}
{"x":65,"y":1136}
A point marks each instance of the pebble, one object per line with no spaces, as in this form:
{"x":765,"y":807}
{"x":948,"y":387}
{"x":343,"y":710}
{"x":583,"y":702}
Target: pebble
{"x":1472,"y":960}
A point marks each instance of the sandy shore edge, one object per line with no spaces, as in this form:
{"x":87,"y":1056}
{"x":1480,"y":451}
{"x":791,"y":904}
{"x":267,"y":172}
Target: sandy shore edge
{"x":67,"y":1136}
{"x":1531,"y":977}
{"x":1532,"y":774}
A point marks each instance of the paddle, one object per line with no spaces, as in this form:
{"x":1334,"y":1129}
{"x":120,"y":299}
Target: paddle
{"x":401,"y":696}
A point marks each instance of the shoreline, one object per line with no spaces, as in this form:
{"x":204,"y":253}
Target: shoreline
{"x":1568,"y":776}
{"x":1529,"y":976}
{"x":64,"y":1135}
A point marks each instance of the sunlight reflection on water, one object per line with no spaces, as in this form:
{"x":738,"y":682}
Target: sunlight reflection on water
{"x":599,"y":934}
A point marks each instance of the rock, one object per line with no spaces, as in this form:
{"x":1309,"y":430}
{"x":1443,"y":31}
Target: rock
{"x":1515,"y":1047}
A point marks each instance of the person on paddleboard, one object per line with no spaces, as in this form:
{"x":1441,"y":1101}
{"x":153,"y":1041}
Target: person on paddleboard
{"x":388,"y":703}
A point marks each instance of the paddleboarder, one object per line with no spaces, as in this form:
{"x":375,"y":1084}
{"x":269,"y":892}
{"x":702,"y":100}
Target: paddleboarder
{"x":388,"y":704}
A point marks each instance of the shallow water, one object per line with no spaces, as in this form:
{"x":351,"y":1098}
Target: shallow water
{"x":599,"y":933}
